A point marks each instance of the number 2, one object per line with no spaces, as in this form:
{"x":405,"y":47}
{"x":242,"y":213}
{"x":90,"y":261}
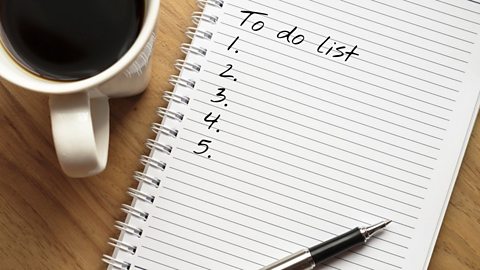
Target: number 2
{"x":225,"y":75}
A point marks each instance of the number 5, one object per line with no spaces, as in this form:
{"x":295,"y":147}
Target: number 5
{"x":203,"y":143}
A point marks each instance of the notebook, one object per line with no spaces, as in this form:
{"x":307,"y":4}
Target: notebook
{"x":291,"y":122}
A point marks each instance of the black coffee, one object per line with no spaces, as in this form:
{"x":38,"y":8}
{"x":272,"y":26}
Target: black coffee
{"x":69,"y":39}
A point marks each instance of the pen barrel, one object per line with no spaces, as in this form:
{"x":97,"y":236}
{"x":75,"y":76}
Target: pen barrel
{"x":301,"y":260}
{"x":337,"y":245}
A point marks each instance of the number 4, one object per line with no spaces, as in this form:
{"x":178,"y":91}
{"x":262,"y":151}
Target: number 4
{"x":211,"y":121}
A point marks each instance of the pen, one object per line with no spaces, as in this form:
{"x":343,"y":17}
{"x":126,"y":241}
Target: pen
{"x":309,"y":258}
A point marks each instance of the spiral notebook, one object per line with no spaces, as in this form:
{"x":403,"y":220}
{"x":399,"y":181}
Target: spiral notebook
{"x":293,"y":121}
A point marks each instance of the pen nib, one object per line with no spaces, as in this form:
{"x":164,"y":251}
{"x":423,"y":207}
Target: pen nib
{"x":371,"y":230}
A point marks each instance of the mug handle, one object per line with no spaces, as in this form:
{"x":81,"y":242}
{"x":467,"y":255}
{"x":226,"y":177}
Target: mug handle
{"x":81,"y":128}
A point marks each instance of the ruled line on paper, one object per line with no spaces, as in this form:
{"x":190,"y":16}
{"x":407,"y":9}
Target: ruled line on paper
{"x":336,"y":62}
{"x":203,"y":246}
{"x":363,"y":49}
{"x":156,"y":262}
{"x":371,"y":170}
{"x":354,"y":89}
{"x":391,"y":27}
{"x":311,"y":150}
{"x":303,"y":201}
{"x":460,"y":7}
{"x":336,"y":72}
{"x":280,"y":204}
{"x":315,"y":141}
{"x":331,"y":113}
{"x":216,"y":238}
{"x":378,"y":129}
{"x":286,"y":252}
{"x":425,"y":17}
{"x":230,"y":221}
{"x":408,"y":22}
{"x":376,"y":85}
{"x":263,"y":221}
{"x":343,"y":128}
{"x":329,"y":134}
{"x":301,"y":179}
{"x":236,"y":223}
{"x":341,"y":63}
{"x":355,"y":78}
{"x":281,"y":216}
{"x":271,"y":202}
{"x":307,"y":170}
{"x":209,"y":235}
{"x":353,"y":110}
{"x":442,"y":12}
{"x":356,"y":26}
{"x":172,"y":256}
{"x":278,"y":95}
{"x":333,"y":82}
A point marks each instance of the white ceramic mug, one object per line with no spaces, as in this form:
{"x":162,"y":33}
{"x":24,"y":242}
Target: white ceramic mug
{"x":79,"y":109}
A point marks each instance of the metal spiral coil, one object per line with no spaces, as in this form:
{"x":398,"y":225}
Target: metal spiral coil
{"x":135,"y":193}
{"x":155,"y":145}
{"x":177,"y":80}
{"x":123,"y":246}
{"x":170,"y":96}
{"x":162,"y":112}
{"x":122,"y":226}
{"x":216,"y":3}
{"x":182,"y":64}
{"x":150,"y":161}
{"x":194,"y":32}
{"x":188,"y":48}
{"x":159,"y":128}
{"x":115,"y":263}
{"x":198,"y":16}
{"x":134,"y":212}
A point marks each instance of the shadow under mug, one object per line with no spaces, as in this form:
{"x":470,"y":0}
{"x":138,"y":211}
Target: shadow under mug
{"x":79,"y":110}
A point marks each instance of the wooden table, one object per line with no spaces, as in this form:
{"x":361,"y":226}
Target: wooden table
{"x":48,"y":221}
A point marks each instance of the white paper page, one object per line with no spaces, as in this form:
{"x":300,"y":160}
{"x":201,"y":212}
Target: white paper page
{"x":307,"y":145}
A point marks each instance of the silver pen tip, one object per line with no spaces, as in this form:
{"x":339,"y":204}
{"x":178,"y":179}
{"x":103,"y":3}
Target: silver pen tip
{"x":371,"y":230}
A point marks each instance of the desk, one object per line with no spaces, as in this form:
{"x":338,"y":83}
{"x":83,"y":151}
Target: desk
{"x":48,"y":221}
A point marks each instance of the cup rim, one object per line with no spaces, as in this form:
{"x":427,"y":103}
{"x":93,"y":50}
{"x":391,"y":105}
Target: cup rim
{"x":67,"y":87}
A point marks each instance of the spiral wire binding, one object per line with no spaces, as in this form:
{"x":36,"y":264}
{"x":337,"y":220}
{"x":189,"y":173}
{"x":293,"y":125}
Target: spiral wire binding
{"x":216,"y":3}
{"x":118,"y":264}
{"x":200,"y":16}
{"x":154,"y":145}
{"x":135,"y":212}
{"x":182,"y":64}
{"x":162,"y":112}
{"x":170,"y":96}
{"x":193,"y":32}
{"x":189,"y":48}
{"x":122,"y":226}
{"x":149,"y":161}
{"x":123,"y":246}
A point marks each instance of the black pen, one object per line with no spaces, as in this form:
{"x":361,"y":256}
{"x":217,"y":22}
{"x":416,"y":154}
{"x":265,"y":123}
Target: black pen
{"x":309,"y":258}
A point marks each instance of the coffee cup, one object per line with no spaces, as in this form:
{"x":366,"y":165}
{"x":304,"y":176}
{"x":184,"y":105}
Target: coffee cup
{"x":79,"y":108}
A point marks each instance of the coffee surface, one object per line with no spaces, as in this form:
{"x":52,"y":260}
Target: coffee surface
{"x":69,"y":39}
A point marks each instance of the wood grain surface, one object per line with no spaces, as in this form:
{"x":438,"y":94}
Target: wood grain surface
{"x":48,"y":221}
